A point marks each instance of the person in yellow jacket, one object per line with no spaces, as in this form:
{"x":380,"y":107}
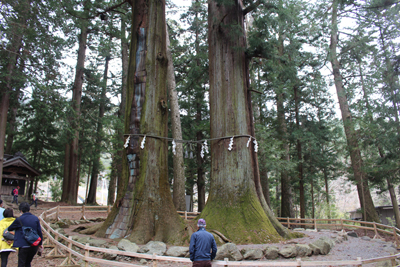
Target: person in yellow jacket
{"x":5,"y":244}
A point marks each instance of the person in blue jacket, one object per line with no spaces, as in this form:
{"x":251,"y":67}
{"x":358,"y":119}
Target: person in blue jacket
{"x":26,"y":252}
{"x":202,"y":247}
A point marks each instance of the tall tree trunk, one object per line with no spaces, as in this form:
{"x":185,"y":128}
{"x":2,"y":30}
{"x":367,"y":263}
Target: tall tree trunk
{"x":146,"y":211}
{"x":179,"y":170}
{"x":71,"y":179}
{"x":99,"y":136}
{"x":113,"y":182}
{"x":265,"y":185}
{"x":328,"y":205}
{"x":17,"y":33}
{"x":312,"y":201}
{"x":352,"y":144}
{"x":286,"y":187}
{"x":201,"y":181}
{"x":299,"y":157}
{"x":117,"y":159}
{"x":233,"y":205}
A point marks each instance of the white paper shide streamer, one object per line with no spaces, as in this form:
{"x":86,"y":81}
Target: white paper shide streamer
{"x":231,"y":144}
{"x":173,"y":147}
{"x":255,"y":145}
{"x":127,"y":141}
{"x":143,"y":142}
{"x":248,"y":141}
{"x":204,"y":148}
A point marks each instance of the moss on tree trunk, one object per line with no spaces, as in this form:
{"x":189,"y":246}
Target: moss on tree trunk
{"x":144,"y":210}
{"x":233,"y":206}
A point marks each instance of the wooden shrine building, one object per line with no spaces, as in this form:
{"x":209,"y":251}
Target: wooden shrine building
{"x":17,"y":172}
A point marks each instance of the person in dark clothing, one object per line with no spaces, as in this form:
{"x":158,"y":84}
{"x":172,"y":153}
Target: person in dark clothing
{"x":202,"y":247}
{"x":26,"y":252}
{"x":34,"y":199}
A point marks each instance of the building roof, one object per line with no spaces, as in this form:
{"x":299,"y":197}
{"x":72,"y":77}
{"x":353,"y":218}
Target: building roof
{"x":19,"y":160}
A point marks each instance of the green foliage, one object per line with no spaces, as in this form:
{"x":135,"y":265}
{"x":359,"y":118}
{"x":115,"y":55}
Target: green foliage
{"x":56,"y":189}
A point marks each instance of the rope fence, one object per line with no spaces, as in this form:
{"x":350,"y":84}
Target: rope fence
{"x":64,"y":247}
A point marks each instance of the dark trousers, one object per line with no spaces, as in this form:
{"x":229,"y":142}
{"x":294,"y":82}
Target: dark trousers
{"x":25,"y":256}
{"x":34,"y":202}
{"x":201,"y":264}
{"x":15,"y":199}
{"x":4,"y":258}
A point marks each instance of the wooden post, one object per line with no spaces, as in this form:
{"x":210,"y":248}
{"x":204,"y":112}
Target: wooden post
{"x":375,"y":230}
{"x":83,"y":213}
{"x":69,"y":251}
{"x":45,"y":216}
{"x":226,"y":261}
{"x":341,"y":223}
{"x":315,"y":225}
{"x":288,"y":223}
{"x":86,"y":255}
{"x":396,"y":237}
{"x":185,"y":215}
{"x":55,"y":244}
{"x":154,"y":260}
{"x":359,"y":259}
{"x":57,"y":213}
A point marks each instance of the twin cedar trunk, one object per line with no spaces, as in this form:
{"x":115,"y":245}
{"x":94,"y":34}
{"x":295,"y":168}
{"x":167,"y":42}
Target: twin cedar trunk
{"x":233,"y":206}
{"x":145,"y":212}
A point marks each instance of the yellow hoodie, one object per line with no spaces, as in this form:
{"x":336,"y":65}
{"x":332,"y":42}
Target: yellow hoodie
{"x":3,"y":225}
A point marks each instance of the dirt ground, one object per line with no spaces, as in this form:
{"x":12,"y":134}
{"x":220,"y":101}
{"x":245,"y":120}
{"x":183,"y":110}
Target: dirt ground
{"x":347,"y":250}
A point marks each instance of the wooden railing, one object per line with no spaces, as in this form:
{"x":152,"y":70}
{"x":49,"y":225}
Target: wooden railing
{"x":342,"y":224}
{"x":59,"y":250}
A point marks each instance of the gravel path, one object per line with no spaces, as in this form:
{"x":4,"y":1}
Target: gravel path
{"x":347,"y":250}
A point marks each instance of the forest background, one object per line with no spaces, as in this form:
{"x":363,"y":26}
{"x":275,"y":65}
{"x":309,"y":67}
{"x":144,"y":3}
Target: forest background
{"x":313,"y":142}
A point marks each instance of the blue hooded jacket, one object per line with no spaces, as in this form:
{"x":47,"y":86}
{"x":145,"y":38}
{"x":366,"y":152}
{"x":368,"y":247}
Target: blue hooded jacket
{"x":202,"y":246}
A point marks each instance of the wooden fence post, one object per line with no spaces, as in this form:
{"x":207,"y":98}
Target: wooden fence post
{"x":154,"y":260}
{"x":288,"y":223}
{"x":57,"y":213}
{"x":83,"y":212}
{"x":86,"y":255}
{"x":375,"y":230}
{"x":359,"y":259}
{"x":315,"y":225}
{"x":185,"y":215}
{"x":341,"y":223}
{"x":226,"y":260}
{"x":396,"y":237}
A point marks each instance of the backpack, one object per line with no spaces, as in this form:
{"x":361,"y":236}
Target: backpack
{"x":12,"y":192}
{"x":30,"y":235}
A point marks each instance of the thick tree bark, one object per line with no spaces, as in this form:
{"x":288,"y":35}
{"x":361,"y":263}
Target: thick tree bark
{"x":146,"y":211}
{"x":233,"y":205}
{"x":16,"y":37}
{"x":99,"y":137}
{"x":179,"y":170}
{"x":71,"y":179}
{"x":352,"y":143}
